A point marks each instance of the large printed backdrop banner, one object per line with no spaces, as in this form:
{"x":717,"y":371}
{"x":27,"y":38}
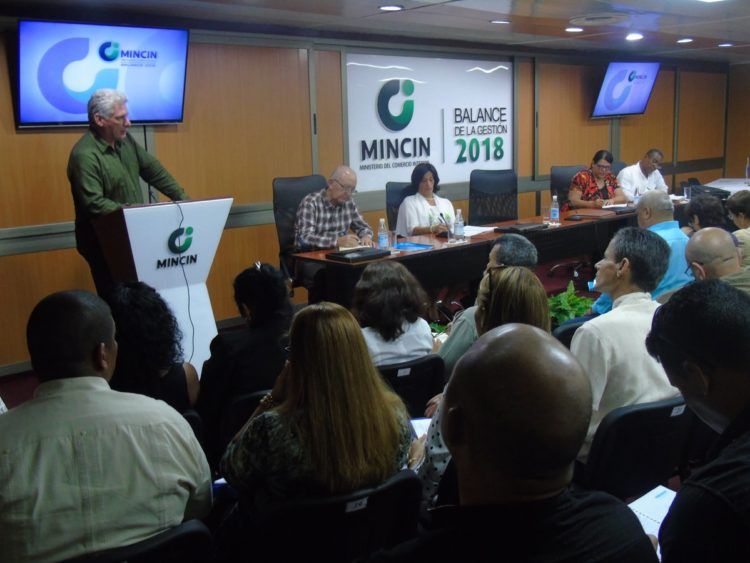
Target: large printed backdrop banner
{"x":456,"y":113}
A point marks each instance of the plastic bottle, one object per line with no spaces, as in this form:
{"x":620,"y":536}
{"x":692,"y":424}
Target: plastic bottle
{"x":458,"y":228}
{"x":382,"y":235}
{"x":554,"y":213}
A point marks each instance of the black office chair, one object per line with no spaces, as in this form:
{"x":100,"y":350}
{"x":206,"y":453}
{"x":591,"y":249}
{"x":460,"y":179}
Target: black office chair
{"x":190,"y":542}
{"x":701,"y":439}
{"x":395,"y":193}
{"x":636,"y":448}
{"x":493,"y":196}
{"x":238,"y":414}
{"x":195,"y":422}
{"x":416,"y":381}
{"x":559,"y":181}
{"x":287,"y":195}
{"x":564,"y":333}
{"x":331,"y":529}
{"x":694,"y":181}
{"x":617,"y":166}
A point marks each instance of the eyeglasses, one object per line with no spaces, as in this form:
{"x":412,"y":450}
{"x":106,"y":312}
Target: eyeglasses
{"x":348,"y":189}
{"x":603,"y":166}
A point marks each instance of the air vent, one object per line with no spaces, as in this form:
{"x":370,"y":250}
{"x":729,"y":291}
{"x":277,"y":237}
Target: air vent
{"x":602,"y":18}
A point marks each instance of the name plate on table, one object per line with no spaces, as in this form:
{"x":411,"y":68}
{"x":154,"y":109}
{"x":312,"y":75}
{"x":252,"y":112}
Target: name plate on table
{"x":358,"y":255}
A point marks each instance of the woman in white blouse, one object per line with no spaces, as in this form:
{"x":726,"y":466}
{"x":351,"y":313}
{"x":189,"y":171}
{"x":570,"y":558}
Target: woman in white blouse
{"x":424,"y":212}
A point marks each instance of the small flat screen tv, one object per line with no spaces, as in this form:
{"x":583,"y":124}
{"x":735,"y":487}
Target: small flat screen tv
{"x":61,"y":64}
{"x":626,"y":89}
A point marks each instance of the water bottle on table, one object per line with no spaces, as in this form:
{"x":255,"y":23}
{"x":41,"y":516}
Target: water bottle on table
{"x":382,"y":235}
{"x":458,"y":227}
{"x":554,"y":213}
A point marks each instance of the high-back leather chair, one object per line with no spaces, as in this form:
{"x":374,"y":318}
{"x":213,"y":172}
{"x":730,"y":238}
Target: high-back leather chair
{"x":493,"y":196}
{"x":287,"y":195}
{"x":559,"y":181}
{"x":395,"y":193}
{"x":416,"y":381}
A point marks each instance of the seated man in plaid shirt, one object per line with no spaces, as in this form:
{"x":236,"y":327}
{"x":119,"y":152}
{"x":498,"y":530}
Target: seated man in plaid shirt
{"x":326,"y":219}
{"x":330,"y":217}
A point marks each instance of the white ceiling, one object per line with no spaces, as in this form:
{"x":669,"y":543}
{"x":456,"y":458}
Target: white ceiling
{"x":534,"y":24}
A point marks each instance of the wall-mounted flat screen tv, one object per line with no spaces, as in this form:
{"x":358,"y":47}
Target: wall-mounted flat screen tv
{"x":61,"y":64}
{"x":626,"y":89}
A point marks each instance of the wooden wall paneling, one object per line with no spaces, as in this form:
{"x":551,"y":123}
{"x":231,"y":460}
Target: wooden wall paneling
{"x":26,"y":279}
{"x":247,"y":121}
{"x":704,"y":176}
{"x":330,"y":111}
{"x":653,"y":129}
{"x":525,"y":126}
{"x":33,"y":182}
{"x":239,"y":249}
{"x":567,"y":134}
{"x":526,"y":205}
{"x":700,"y":131}
{"x":738,"y":122}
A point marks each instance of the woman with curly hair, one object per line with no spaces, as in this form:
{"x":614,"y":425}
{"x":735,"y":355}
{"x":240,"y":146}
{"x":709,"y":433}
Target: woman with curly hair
{"x":149,"y":357}
{"x":389,"y":303}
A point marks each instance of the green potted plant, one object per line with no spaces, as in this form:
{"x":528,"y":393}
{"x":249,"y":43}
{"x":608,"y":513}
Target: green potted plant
{"x":568,"y":305}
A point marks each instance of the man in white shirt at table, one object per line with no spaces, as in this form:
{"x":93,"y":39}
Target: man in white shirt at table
{"x":643,"y":176}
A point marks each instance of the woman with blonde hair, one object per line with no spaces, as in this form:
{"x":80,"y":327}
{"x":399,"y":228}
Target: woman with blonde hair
{"x":507,"y":294}
{"x":511,"y":294}
{"x":330,"y":425}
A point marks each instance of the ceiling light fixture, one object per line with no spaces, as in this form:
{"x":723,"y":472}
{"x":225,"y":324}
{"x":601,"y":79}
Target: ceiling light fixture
{"x":391,"y":8}
{"x":710,"y":1}
{"x":500,"y":22}
{"x":726,"y":45}
{"x":685,"y":40}
{"x":574,"y":29}
{"x":634,"y":36}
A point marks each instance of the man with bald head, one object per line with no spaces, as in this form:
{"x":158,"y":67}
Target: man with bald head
{"x":655,"y":212}
{"x":516,"y":412}
{"x":712,"y":254}
{"x":84,"y":468}
{"x":330,"y":217}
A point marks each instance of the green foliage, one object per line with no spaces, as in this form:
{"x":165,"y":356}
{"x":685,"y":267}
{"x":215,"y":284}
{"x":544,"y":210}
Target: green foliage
{"x":438,"y":328}
{"x":567,"y":305}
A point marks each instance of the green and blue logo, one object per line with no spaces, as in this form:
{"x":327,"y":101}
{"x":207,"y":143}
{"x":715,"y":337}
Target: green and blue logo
{"x":174,"y":243}
{"x":109,"y":51}
{"x":390,"y":89}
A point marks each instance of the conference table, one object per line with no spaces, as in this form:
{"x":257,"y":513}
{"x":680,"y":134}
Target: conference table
{"x":732,"y":185}
{"x":447,"y":263}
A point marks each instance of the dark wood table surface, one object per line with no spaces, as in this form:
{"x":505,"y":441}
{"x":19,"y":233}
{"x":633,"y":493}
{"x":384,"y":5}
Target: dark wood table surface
{"x":448,"y":263}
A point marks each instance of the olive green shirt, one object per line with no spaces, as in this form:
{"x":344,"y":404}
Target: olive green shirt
{"x":103,"y":179}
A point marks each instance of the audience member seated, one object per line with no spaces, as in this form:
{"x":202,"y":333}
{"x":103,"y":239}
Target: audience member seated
{"x":508,"y":250}
{"x":643,"y":176}
{"x":738,"y":210}
{"x":331,"y":424}
{"x":655,"y":212}
{"x":246,"y":360}
{"x":711,"y":254}
{"x":704,"y":211}
{"x":85,"y":468}
{"x":149,"y":359}
{"x":611,"y":347}
{"x":516,"y":412}
{"x":701,"y":338}
{"x":507,"y":294}
{"x":595,"y":187}
{"x":390,"y":304}
{"x":424,"y":212}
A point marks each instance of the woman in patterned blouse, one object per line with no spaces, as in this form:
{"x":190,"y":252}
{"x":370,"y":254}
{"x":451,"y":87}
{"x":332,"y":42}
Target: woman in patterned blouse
{"x":596,"y":186}
{"x":331,"y":424}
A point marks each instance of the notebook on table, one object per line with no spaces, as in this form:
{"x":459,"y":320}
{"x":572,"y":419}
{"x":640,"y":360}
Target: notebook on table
{"x":521,"y":228}
{"x":359,"y":255}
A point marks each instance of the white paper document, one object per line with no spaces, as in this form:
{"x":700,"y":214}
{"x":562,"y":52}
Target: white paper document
{"x":652,"y":508}
{"x":420,"y":426}
{"x":471,"y":231}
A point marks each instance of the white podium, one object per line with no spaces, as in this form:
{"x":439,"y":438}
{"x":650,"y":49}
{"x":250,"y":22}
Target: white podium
{"x":170,"y":246}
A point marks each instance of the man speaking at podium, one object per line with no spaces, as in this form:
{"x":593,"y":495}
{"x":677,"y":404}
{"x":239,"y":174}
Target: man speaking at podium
{"x":103,"y":170}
